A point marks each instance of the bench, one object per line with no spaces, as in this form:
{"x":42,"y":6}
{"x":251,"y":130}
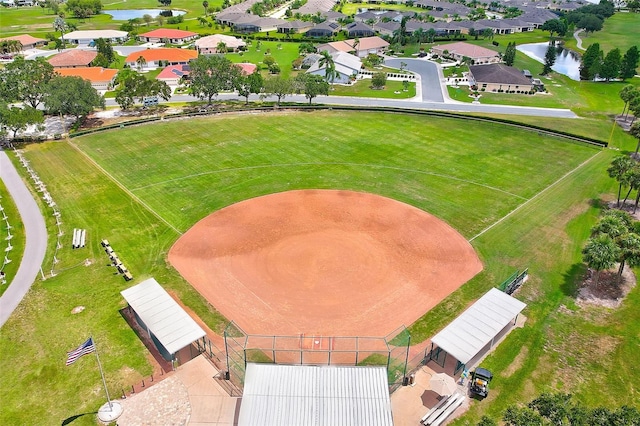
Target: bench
{"x":104,"y":243}
{"x":442,"y":410}
{"x":128,"y":276}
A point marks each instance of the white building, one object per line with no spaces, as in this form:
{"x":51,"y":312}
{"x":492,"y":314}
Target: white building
{"x":86,"y":37}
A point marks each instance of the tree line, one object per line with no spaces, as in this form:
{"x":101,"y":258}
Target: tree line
{"x":36,"y":85}
{"x":595,"y":63}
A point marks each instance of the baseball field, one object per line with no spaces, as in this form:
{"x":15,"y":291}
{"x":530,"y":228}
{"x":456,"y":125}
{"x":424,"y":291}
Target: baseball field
{"x":520,"y":198}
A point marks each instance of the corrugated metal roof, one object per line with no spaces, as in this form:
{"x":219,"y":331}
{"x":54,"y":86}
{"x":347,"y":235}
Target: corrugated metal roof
{"x":304,"y":395}
{"x":475,"y":327}
{"x":173,"y":327}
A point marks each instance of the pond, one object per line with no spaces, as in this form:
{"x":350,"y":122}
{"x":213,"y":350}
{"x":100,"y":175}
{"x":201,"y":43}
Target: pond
{"x":126,"y":14}
{"x":567,"y":61}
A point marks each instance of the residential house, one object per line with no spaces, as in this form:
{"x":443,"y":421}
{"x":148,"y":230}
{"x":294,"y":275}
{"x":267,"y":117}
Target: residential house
{"x":332,"y":16}
{"x":347,"y":67}
{"x":168,"y":35}
{"x":26,"y":41}
{"x":311,"y":7}
{"x":325,"y":29}
{"x":294,"y":27}
{"x":358,"y":29}
{"x":209,"y":45}
{"x":156,"y":58}
{"x":73,"y":58}
{"x":499,"y":78}
{"x":101,"y":79}
{"x":460,"y":50}
{"x":86,"y":37}
{"x":364,"y":46}
{"x":173,"y":75}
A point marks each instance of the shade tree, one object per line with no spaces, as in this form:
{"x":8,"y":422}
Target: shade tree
{"x":212,"y":74}
{"x":629,"y":63}
{"x":600,"y":253}
{"x":84,"y":100}
{"x":619,"y":168}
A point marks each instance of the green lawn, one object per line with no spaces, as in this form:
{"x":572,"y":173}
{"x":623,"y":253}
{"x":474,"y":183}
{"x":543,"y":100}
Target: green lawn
{"x":432,"y":163}
{"x":18,"y":240}
{"x":620,"y":30}
{"x":284,"y":54}
{"x":362,"y":88}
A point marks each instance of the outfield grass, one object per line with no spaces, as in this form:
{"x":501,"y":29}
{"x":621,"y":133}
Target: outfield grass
{"x":18,"y":240}
{"x":469,"y":175}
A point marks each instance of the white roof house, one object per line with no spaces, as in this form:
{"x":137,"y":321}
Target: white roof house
{"x":346,"y":66}
{"x":85,"y":37}
{"x":209,"y":44}
{"x":477,"y":327}
{"x":161,"y":316}
{"x":306,"y":395}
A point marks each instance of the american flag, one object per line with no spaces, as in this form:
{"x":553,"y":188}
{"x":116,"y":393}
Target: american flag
{"x":85,"y":348}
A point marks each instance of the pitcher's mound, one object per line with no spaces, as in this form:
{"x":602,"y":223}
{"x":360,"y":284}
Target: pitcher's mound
{"x":323,"y":262}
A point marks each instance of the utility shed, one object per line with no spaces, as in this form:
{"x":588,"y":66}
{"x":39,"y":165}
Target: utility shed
{"x":477,"y":329}
{"x":305,"y":395}
{"x":170,"y":327}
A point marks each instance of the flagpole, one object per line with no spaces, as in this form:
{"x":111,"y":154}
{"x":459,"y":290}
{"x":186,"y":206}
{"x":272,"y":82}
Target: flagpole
{"x":104,"y":382}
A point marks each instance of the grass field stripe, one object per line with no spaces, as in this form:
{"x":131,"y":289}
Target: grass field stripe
{"x":534,"y":197}
{"x":264,"y":166}
{"x":124,"y":188}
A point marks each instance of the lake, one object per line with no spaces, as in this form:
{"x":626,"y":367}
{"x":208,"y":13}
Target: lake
{"x":126,"y":14}
{"x":567,"y":62}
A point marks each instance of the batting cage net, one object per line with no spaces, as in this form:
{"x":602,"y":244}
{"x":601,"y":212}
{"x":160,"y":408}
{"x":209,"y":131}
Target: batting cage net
{"x":391,"y":351}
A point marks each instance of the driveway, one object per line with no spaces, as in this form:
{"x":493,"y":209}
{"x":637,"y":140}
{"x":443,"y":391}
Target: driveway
{"x":429,"y":76}
{"x":36,"y":239}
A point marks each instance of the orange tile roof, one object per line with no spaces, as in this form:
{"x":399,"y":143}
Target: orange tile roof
{"x":75,"y":57}
{"x":169,"y":54}
{"x":24,"y":39}
{"x":247,"y":67}
{"x":93,"y":74}
{"x":169,"y":33}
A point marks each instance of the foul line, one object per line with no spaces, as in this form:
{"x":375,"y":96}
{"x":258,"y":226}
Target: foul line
{"x":124,"y":188}
{"x":533,"y":198}
{"x":329,"y":164}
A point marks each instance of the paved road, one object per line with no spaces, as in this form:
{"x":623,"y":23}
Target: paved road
{"x":430,"y":78}
{"x":36,"y":239}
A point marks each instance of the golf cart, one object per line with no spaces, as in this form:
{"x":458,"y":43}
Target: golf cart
{"x":480,"y":379}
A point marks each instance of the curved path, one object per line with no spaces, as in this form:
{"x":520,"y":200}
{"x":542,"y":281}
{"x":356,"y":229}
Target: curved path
{"x":576,"y":35}
{"x":36,"y":239}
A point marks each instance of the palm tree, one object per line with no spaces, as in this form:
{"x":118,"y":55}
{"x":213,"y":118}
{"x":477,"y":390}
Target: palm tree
{"x":618,"y":169}
{"x":10,"y":46}
{"x":600,"y":253}
{"x":221,"y":47}
{"x":205,"y":4}
{"x":60,"y":25}
{"x":326,"y":61}
{"x":635,"y":132}
{"x":627,"y":93}
{"x":629,"y":251}
{"x":141,"y":62}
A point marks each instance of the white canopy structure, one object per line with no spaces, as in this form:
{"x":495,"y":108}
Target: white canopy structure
{"x":477,"y":327}
{"x":306,"y":395}
{"x":161,"y":316}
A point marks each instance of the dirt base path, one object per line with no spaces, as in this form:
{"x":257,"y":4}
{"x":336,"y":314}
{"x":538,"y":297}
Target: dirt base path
{"x":323,"y":262}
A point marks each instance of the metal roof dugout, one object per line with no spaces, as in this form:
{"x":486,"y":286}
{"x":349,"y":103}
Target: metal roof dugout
{"x":161,"y":316}
{"x":476,"y":329}
{"x":306,"y":395}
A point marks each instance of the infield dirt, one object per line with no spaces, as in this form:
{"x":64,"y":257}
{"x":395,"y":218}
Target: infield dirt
{"x":323,"y":262}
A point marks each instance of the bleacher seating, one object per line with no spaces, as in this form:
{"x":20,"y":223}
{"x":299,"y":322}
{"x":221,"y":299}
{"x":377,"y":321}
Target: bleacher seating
{"x":115,"y":261}
{"x":438,"y":414}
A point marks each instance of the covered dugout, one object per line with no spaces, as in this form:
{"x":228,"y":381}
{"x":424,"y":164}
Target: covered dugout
{"x":307,"y":395}
{"x":167,"y":324}
{"x":476,"y":330}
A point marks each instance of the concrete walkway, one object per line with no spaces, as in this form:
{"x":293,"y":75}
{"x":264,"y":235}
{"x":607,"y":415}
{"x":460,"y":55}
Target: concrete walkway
{"x":36,"y":239}
{"x":576,"y":35}
{"x":190,"y":396}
